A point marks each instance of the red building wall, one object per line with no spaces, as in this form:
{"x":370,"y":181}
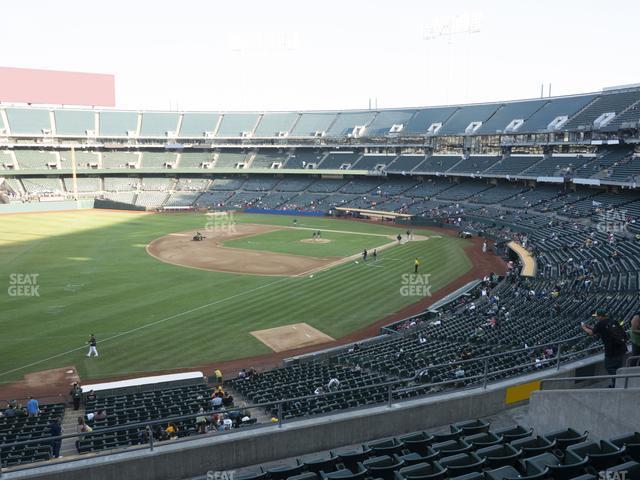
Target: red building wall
{"x":26,"y":85}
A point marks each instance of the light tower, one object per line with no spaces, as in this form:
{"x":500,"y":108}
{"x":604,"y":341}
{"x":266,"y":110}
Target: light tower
{"x":448,"y":28}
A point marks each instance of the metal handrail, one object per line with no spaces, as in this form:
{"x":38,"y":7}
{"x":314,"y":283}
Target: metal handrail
{"x":509,"y":352}
{"x":626,"y":376}
{"x":635,"y":358}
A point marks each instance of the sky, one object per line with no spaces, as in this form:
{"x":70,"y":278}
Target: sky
{"x":301,"y":55}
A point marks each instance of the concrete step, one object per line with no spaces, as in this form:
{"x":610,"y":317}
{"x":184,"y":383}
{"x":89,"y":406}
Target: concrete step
{"x":70,"y":425}
{"x":259,"y":413}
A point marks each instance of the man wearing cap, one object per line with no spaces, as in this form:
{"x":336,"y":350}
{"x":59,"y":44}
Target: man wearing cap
{"x":614,"y":350}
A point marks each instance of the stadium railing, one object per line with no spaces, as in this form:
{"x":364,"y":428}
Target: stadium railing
{"x":625,"y":376}
{"x":485,"y":376}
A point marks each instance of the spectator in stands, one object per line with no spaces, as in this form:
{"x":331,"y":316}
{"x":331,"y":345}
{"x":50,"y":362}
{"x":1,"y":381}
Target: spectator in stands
{"x":218,"y":375}
{"x":477,"y":334}
{"x":100,"y":415}
{"x":615,"y":347}
{"x":227,"y":423}
{"x":214,"y":423}
{"x":535,"y":360}
{"x":318,"y":391}
{"x":10,"y":411}
{"x":424,"y":376}
{"x":246,"y":420}
{"x":76,"y":395}
{"x":82,"y":428}
{"x":422,"y":339}
{"x":227,"y":401}
{"x":55,"y":431}
{"x":171,"y":431}
{"x":33,"y":408}
{"x":158,"y":433}
{"x":201,"y":421}
{"x":465,"y":353}
{"x":218,"y":392}
{"x":333,"y":384}
{"x":635,"y":337}
{"x":216,"y":402}
{"x":91,"y":396}
{"x":242,"y":374}
{"x":143,"y":436}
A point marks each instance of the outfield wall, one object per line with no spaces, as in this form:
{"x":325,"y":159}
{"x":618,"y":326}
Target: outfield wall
{"x":45,"y":206}
{"x":295,"y":213}
{"x":224,"y":453}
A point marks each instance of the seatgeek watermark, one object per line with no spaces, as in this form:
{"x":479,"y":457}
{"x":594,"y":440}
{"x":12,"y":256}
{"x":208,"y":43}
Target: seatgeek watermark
{"x":612,"y":221}
{"x":221,"y":222}
{"x":613,"y":475}
{"x":415,"y":285}
{"x":221,"y":474}
{"x":24,"y":285}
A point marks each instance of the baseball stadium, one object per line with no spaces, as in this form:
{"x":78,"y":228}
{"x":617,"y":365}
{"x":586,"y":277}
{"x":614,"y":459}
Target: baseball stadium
{"x":399,"y":293}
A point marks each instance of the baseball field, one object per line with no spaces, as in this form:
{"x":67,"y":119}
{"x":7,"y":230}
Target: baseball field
{"x":158,"y":300}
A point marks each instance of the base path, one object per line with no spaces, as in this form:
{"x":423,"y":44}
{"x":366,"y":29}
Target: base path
{"x":210,"y":254}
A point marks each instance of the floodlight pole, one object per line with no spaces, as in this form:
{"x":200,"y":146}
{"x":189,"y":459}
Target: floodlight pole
{"x":73,"y":173}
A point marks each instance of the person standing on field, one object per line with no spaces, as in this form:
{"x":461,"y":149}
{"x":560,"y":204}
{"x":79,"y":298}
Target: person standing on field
{"x":92,"y":346}
{"x":416,"y":264}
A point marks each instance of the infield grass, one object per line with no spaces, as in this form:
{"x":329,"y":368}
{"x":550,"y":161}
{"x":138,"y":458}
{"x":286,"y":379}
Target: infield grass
{"x":301,"y":242}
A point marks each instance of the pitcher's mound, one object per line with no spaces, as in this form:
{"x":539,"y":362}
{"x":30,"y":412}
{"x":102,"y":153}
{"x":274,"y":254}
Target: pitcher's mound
{"x":315,"y":240}
{"x":292,"y":336}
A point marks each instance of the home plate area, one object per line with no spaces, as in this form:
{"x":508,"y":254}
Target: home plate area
{"x":292,"y":336}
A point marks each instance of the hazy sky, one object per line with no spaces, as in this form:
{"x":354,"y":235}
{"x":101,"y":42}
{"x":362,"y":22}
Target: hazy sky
{"x":284,"y":55}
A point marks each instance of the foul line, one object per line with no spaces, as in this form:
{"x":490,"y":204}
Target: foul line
{"x":141,"y":327}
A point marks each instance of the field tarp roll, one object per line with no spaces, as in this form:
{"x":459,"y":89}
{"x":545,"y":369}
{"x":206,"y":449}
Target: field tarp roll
{"x":111,"y":205}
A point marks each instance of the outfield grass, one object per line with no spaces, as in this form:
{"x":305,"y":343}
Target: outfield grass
{"x":291,"y":242}
{"x":94,"y":276}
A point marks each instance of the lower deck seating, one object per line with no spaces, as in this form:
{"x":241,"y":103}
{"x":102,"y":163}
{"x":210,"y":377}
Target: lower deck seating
{"x":20,"y":428}
{"x":141,"y":407}
{"x":469,"y":450}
